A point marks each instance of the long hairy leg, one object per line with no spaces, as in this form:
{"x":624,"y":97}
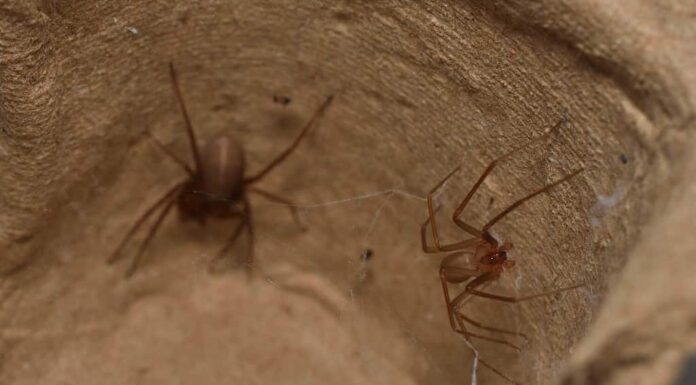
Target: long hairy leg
{"x":461,"y":245}
{"x":528,"y":197}
{"x":492,"y":368}
{"x":462,"y":205}
{"x":170,"y":154}
{"x":153,"y":230}
{"x":281,"y":157}
{"x":170,"y":195}
{"x":189,"y":127}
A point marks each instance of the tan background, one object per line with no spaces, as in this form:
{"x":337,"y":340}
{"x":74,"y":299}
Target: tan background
{"x":419,"y":88}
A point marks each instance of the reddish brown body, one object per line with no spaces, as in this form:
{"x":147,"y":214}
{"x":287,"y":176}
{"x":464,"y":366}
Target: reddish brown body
{"x":492,"y":258}
{"x":216,"y":186}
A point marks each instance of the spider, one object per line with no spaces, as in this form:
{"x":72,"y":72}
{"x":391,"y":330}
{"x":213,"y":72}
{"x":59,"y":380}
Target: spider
{"x":487,"y":256}
{"x":216,"y":186}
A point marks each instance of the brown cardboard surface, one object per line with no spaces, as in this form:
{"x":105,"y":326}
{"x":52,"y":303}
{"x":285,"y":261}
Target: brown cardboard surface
{"x":419,"y":87}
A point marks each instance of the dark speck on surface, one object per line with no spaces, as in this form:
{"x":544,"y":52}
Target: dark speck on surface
{"x":280,"y":99}
{"x":366,"y":255}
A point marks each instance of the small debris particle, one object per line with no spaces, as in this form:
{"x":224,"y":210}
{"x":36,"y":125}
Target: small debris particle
{"x":280,"y":99}
{"x":366,"y":255}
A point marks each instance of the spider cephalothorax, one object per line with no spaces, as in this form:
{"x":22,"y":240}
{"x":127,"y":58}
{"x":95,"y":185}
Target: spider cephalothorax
{"x":493,"y":258}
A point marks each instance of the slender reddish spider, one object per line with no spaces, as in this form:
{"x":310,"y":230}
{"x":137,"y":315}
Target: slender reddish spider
{"x":487,"y":257}
{"x":216,"y":187}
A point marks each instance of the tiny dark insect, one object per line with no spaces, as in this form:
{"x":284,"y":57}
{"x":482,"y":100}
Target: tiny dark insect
{"x":280,"y":99}
{"x":623,"y":158}
{"x":487,"y":257}
{"x":216,"y":187}
{"x":366,"y":255}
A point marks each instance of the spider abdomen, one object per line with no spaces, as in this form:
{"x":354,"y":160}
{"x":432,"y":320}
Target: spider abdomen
{"x":221,"y":168}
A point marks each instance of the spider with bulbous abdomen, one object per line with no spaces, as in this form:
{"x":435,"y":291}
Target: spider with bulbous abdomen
{"x":481,"y":259}
{"x":216,"y":187}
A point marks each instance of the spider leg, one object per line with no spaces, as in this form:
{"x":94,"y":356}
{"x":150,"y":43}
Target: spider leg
{"x":275,"y":162}
{"x":528,"y":197}
{"x":466,"y":333}
{"x":431,"y":212}
{"x":461,"y":329}
{"x":245,"y":221}
{"x":524,"y":298}
{"x":275,"y":198}
{"x":170,"y":154}
{"x":489,"y":328}
{"x":187,"y":119}
{"x":456,"y":274}
{"x":250,"y":228}
{"x":498,"y":372}
{"x":448,"y":274}
{"x":467,"y":336}
{"x":457,"y":319}
{"x":467,"y":243}
{"x":150,"y":235}
{"x":169,"y":195}
{"x":481,"y":281}
{"x":453,"y":272}
{"x":232,"y":239}
{"x":485,"y":277}
{"x":455,"y":215}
